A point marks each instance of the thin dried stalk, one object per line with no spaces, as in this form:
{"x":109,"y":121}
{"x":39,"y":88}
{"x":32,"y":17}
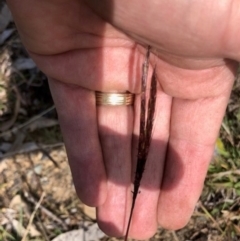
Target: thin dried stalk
{"x":146,"y":126}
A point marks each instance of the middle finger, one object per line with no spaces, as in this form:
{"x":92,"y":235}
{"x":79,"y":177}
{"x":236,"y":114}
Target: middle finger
{"x":115,"y":124}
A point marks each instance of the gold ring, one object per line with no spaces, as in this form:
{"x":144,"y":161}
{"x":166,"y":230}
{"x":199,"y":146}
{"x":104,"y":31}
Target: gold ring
{"x":115,"y":99}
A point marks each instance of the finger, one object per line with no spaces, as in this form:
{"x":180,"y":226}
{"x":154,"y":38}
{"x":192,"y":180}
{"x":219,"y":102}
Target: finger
{"x":76,"y":110}
{"x":194,"y":129}
{"x":115,"y":130}
{"x":145,"y":210}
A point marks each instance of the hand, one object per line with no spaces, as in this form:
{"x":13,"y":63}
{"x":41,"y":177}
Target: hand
{"x":84,"y":46}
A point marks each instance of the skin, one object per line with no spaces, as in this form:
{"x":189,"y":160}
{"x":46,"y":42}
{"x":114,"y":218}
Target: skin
{"x":83,"y":46}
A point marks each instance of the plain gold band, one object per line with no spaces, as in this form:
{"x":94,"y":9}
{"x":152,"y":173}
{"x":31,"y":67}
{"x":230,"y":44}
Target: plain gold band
{"x":114,"y":99}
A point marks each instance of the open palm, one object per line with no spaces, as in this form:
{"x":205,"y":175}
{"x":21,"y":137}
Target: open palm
{"x":83,"y":48}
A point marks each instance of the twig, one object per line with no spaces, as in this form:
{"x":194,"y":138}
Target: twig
{"x":35,"y":148}
{"x":175,"y":236}
{"x":210,"y":217}
{"x":45,"y":210}
{"x":225,"y":173}
{"x":32,"y":216}
{"x":15,"y":129}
